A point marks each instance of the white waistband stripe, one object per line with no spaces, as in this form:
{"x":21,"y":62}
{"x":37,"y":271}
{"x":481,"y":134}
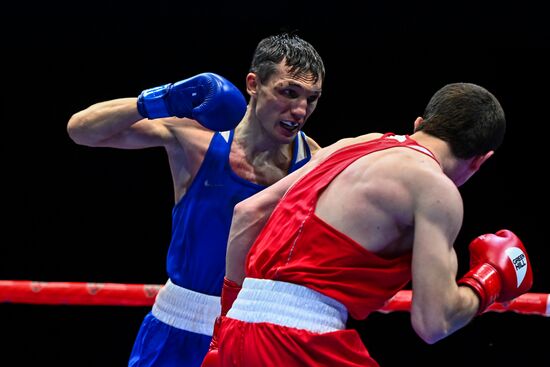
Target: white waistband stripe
{"x":287,"y":304}
{"x":186,"y":309}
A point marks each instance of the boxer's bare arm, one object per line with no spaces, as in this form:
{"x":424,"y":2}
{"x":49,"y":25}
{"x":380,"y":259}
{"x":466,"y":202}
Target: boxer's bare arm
{"x":116,"y":124}
{"x":249,"y":217}
{"x":146,"y":121}
{"x":439,"y":307}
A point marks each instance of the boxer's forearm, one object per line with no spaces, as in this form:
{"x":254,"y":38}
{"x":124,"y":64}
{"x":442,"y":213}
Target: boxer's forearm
{"x":246,"y":226}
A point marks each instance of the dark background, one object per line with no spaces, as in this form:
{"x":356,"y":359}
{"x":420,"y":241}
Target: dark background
{"x":73,"y":213}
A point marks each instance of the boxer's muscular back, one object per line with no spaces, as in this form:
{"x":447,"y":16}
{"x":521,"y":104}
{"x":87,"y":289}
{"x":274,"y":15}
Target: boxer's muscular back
{"x":372,"y":201}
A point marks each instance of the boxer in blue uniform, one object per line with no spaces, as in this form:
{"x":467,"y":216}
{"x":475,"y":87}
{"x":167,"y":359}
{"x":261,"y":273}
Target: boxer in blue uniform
{"x":221,"y":150}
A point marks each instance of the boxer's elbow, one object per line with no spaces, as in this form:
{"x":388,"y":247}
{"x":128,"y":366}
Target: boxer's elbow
{"x":243,"y":210}
{"x":78,"y":129}
{"x":245,"y":215}
{"x":430,"y":326}
{"x":249,"y":210}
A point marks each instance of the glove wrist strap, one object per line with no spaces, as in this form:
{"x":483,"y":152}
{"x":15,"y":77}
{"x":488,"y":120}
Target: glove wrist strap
{"x":152,"y":104}
{"x":485,"y":282}
{"x":230,"y":291}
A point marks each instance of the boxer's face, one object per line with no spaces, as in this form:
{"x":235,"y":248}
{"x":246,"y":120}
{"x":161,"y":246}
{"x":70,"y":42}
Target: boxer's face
{"x":284,"y":102}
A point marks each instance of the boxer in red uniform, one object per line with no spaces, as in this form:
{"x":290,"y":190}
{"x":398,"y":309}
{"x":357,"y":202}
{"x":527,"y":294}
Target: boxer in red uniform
{"x":351,"y":228}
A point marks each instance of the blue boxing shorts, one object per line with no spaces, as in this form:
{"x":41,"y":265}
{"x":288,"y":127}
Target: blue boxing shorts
{"x":177,"y":331}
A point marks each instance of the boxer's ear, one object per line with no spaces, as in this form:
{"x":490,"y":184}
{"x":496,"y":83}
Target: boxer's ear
{"x":251,"y":83}
{"x":479,"y":160}
{"x":417,"y":122}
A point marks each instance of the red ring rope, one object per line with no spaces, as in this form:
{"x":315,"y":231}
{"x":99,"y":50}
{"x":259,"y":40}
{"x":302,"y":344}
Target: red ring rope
{"x":116,"y":294}
{"x":75,"y":293}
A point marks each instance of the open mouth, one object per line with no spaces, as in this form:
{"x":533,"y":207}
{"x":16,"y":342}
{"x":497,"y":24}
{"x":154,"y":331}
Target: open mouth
{"x":289,"y":125}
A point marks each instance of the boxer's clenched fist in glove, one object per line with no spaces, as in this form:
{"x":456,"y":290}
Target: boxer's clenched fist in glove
{"x":208,"y":98}
{"x":500,"y":269}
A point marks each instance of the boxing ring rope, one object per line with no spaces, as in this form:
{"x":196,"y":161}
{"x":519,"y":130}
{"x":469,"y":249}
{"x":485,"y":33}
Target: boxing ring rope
{"x":117,"y":294}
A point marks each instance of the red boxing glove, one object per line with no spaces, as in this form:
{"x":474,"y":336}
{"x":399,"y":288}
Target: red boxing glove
{"x":499,"y":268}
{"x":212,"y":358}
{"x":230,"y":292}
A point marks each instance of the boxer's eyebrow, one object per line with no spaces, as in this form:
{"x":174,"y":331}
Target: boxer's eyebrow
{"x":301,"y":86}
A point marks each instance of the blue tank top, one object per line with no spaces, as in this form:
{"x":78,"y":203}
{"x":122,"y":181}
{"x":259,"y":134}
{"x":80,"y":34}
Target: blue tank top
{"x":202,"y":218}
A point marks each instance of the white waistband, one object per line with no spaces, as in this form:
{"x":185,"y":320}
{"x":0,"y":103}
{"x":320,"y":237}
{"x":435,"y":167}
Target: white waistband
{"x":186,"y":309}
{"x":287,"y":304}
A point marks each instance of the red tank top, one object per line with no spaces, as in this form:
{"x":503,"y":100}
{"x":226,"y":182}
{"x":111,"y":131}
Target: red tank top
{"x":298,"y":247}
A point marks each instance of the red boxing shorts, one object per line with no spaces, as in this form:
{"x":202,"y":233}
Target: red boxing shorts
{"x":278,"y":324}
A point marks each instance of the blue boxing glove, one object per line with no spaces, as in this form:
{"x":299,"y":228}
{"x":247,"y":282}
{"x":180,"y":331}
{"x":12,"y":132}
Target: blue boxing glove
{"x":208,"y":98}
